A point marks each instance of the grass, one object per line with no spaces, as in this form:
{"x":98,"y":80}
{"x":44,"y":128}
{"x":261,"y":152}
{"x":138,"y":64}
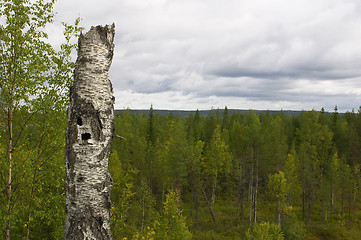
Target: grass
{"x":228,"y":226}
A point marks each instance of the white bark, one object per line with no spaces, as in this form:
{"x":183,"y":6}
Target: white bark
{"x":88,"y":138}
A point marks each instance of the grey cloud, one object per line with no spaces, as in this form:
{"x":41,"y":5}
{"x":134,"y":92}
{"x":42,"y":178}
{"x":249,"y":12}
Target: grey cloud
{"x":308,"y":72}
{"x":272,"y":52}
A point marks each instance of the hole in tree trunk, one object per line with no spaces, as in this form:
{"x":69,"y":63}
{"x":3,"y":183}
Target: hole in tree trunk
{"x":81,"y":179}
{"x":85,"y":136}
{"x":79,"y":121}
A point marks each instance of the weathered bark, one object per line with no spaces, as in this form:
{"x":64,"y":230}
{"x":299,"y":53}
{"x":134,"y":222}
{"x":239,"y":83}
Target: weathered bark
{"x":88,"y":138}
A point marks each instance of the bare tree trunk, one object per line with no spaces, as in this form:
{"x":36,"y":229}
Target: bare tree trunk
{"x":331,"y":214}
{"x":209,"y":205}
{"x":279,"y":212}
{"x":255,"y":190}
{"x":342,"y":204}
{"x":32,"y":193}
{"x":143,"y":215}
{"x":31,"y":204}
{"x":354,"y":204}
{"x":214,"y":187}
{"x":303,"y":205}
{"x":196,"y":208}
{"x":349,"y":205}
{"x":9,"y":187}
{"x":88,"y":138}
{"x":250,"y":196}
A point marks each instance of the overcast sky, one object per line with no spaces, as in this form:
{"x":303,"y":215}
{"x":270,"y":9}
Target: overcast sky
{"x":243,"y":54}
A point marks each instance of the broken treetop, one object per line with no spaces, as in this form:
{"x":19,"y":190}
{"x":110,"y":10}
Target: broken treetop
{"x":93,"y":63}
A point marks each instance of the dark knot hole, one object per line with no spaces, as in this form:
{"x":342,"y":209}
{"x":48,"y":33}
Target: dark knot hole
{"x":79,"y":121}
{"x":85,"y":136}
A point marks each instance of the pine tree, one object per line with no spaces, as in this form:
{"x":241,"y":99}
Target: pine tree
{"x":253,"y":143}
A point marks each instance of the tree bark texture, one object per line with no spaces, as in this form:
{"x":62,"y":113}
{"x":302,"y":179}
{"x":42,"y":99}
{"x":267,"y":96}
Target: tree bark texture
{"x":88,"y":138}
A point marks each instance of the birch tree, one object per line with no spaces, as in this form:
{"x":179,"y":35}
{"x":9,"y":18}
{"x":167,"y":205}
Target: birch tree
{"x":218,"y":160}
{"x":34,"y":79}
{"x":278,"y":189}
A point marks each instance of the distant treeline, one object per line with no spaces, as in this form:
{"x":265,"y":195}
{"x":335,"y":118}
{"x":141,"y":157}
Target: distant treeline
{"x":204,"y":113}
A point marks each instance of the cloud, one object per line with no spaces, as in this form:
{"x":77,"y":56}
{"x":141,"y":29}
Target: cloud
{"x":190,"y":54}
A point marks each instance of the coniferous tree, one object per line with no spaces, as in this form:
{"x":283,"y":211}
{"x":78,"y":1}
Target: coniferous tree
{"x":172,"y":224}
{"x":253,"y":141}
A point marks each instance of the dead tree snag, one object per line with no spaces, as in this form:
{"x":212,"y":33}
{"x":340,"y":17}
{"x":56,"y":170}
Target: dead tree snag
{"x":88,"y":138}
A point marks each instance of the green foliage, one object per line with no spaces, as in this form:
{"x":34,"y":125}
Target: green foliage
{"x":293,"y":228}
{"x":218,"y":158}
{"x":170,"y":163}
{"x":265,"y":231}
{"x":278,"y":186}
{"x":278,"y":189}
{"x":257,"y":165}
{"x":291,"y":171}
{"x":33,"y":74}
{"x":172,"y":224}
{"x":313,"y":183}
{"x":121,"y":195}
{"x":34,"y":86}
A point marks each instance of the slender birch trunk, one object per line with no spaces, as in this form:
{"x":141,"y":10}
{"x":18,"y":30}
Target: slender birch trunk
{"x":331,"y":215}
{"x":250,"y":195}
{"x":255,"y":189}
{"x":208,"y":204}
{"x":10,"y":159}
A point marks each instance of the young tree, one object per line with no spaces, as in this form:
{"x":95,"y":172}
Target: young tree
{"x":265,"y":231}
{"x":197,"y":125}
{"x":172,"y":156}
{"x":194,"y":176}
{"x":34,"y":77}
{"x":151,"y":139}
{"x":275,"y":147}
{"x":172,"y":224}
{"x":291,"y":171}
{"x":210,"y":123}
{"x":218,"y":160}
{"x":278,"y":189}
{"x":333,"y":175}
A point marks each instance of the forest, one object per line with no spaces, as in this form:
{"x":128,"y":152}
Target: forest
{"x":238,"y":176}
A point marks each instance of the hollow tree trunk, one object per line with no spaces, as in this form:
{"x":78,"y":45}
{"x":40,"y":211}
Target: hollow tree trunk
{"x":88,"y":138}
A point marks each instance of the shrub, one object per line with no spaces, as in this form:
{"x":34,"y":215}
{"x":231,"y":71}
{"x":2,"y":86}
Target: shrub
{"x":265,"y":231}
